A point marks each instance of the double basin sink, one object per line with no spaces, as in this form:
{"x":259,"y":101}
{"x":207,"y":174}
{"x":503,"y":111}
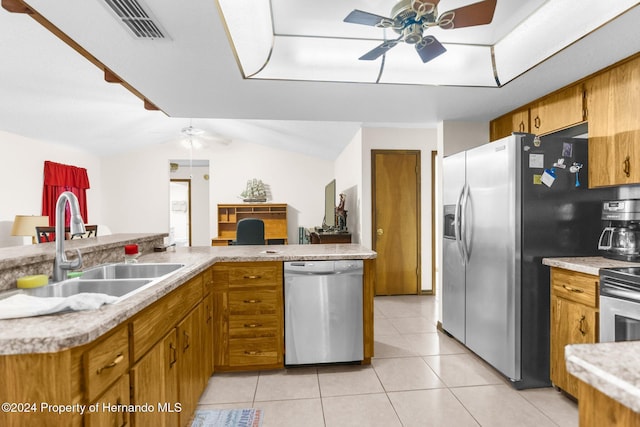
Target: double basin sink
{"x":118,"y":280}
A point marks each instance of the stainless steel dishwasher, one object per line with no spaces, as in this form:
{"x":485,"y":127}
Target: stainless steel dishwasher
{"x":323,"y":311}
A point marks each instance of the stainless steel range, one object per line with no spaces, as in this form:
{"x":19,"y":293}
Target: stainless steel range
{"x":620,"y":304}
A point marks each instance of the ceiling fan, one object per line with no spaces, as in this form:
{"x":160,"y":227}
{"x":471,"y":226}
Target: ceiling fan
{"x":194,"y":136}
{"x":410,"y":18}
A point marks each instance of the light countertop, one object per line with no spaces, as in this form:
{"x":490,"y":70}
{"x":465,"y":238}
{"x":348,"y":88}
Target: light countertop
{"x":57,"y":332}
{"x":587,"y":265}
{"x":611,"y":368}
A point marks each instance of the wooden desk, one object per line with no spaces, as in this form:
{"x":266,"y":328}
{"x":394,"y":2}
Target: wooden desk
{"x":331,"y":237}
{"x":274,"y":216}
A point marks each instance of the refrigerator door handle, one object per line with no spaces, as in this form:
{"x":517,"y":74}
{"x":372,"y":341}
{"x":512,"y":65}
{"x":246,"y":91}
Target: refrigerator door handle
{"x":457,"y":224}
{"x":463,"y":223}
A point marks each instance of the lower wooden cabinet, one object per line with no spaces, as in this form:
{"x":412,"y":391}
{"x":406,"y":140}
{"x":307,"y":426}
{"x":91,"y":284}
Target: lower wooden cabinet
{"x":574,"y":320}
{"x":248,"y":316}
{"x":111,"y":407}
{"x":596,"y":409}
{"x":154,"y":380}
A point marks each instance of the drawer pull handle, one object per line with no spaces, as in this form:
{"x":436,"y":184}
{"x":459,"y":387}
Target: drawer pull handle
{"x":626,"y":166}
{"x":252,"y":325}
{"x":252,"y":301}
{"x":570,"y":289}
{"x":581,"y":326}
{"x":253,"y":276}
{"x":174,"y":355}
{"x":252,"y":353}
{"x":119,"y":358}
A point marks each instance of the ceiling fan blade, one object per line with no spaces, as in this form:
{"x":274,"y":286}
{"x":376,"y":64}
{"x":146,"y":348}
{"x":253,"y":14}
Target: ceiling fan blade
{"x":480,"y":13}
{"x":424,"y":7}
{"x":366,"y":18}
{"x":379,"y":51}
{"x":429,"y":48}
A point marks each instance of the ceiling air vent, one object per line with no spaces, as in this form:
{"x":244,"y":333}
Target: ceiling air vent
{"x":133,"y":15}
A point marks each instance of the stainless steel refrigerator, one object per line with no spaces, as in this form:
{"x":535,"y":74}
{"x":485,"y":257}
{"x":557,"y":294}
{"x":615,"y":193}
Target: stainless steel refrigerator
{"x":500,"y":220}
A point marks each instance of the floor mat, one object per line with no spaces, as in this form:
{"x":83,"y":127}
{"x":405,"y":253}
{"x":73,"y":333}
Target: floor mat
{"x":227,"y":418}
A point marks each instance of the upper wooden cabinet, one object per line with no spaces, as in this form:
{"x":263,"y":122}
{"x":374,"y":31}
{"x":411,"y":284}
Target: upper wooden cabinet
{"x":614,"y":125}
{"x":517,"y":121}
{"x":558,"y":110}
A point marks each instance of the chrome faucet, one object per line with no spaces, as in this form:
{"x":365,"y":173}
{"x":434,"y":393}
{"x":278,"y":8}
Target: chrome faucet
{"x":61,"y":264}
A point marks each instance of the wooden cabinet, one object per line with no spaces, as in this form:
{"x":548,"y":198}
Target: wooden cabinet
{"x":614,"y":125}
{"x":154,"y":379}
{"x":517,"y":121}
{"x":191,"y":381}
{"x":248,"y":313}
{"x":274,"y":216}
{"x":157,"y":358}
{"x":574,"y":320}
{"x":324,"y":238}
{"x":116,"y":399}
{"x":558,"y":110}
{"x":596,"y":409}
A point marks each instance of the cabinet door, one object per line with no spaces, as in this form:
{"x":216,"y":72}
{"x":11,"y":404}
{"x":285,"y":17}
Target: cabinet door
{"x":116,"y":395}
{"x":517,"y":121}
{"x":558,"y":110}
{"x":613,"y":100}
{"x":207,"y":338}
{"x":571,"y":323}
{"x":154,"y":380}
{"x":191,"y":381}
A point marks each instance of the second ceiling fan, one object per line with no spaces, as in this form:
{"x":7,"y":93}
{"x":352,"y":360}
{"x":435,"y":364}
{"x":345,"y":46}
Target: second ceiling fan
{"x":410,"y":18}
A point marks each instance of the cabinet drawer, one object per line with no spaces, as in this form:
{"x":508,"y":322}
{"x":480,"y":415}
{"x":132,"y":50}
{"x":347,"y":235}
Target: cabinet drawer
{"x":255,"y":274}
{"x":253,"y":326}
{"x":118,"y":394}
{"x":106,"y":361}
{"x":254,"y":302}
{"x":253,"y":351}
{"x":574,"y":286}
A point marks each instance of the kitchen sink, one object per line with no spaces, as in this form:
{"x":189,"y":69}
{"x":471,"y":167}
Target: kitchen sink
{"x":118,"y":280}
{"x":113,"y":287}
{"x":131,"y":271}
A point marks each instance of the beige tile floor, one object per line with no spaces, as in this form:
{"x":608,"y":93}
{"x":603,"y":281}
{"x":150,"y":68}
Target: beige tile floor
{"x":418,"y":377}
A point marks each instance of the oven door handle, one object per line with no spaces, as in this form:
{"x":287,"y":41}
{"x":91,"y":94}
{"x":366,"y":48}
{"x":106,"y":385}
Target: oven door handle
{"x":613,"y":291}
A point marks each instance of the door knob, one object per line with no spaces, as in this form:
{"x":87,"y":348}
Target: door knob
{"x":379,"y":232}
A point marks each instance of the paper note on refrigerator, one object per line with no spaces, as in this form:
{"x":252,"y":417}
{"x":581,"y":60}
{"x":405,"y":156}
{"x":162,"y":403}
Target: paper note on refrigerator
{"x":536,"y":160}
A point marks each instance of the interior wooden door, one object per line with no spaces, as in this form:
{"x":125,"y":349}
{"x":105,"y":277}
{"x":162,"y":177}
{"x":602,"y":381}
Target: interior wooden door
{"x":396,"y":220}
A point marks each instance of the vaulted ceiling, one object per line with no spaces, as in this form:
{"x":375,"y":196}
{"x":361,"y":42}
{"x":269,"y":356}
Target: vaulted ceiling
{"x":49,"y":91}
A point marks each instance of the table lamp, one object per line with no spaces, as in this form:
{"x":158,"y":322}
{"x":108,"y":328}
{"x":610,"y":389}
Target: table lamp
{"x":25,"y":225}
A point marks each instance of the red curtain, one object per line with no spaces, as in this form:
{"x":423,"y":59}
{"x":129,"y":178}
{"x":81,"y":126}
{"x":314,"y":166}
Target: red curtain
{"x":59,"y":178}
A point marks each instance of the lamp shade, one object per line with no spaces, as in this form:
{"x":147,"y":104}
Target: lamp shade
{"x":25,"y":225}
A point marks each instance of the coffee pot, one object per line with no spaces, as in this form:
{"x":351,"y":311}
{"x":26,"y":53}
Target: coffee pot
{"x":620,"y":238}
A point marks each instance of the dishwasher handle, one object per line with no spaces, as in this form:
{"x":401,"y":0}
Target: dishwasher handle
{"x":322,"y":268}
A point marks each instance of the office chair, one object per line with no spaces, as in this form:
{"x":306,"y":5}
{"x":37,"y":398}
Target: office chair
{"x":249,"y":231}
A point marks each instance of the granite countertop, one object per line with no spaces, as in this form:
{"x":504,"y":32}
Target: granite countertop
{"x":587,"y":265}
{"x":612,"y":368}
{"x":53,"y":333}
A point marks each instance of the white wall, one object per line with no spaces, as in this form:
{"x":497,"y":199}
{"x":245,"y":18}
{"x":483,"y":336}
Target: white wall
{"x":348,"y":174}
{"x":424,"y":140}
{"x":136,"y":189}
{"x":21,"y":176}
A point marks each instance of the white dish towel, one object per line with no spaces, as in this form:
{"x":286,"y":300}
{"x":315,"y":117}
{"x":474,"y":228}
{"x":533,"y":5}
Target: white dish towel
{"x":21,"y":305}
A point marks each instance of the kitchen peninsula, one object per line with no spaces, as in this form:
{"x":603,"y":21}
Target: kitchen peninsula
{"x":158,"y":346}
